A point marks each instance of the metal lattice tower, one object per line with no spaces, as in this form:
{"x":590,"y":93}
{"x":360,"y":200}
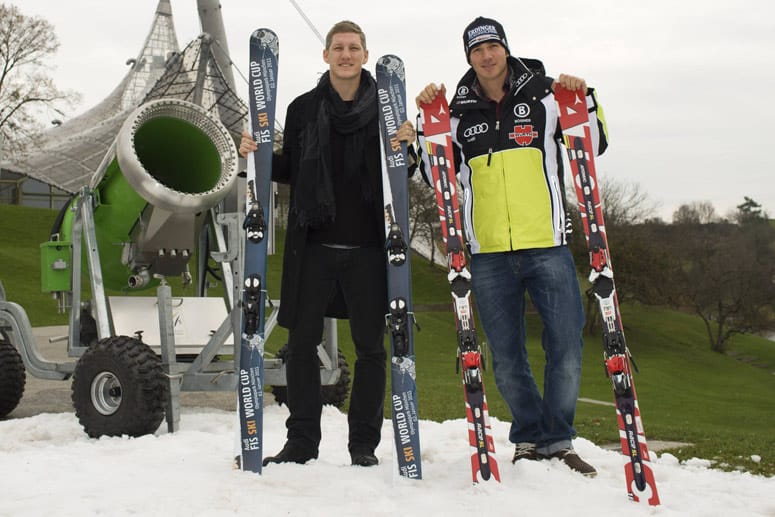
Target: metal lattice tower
{"x":194,"y":76}
{"x":70,"y":154}
{"x":160,"y":44}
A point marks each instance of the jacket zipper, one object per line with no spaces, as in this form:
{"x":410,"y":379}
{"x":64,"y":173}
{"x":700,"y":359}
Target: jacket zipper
{"x":497,"y":130}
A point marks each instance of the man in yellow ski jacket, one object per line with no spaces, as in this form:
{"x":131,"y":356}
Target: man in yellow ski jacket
{"x":507,"y":144}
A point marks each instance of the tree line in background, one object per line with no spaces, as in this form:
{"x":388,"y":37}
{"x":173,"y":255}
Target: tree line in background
{"x":719,"y":268}
{"x":27,"y":92}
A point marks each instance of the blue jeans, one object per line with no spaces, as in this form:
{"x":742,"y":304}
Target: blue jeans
{"x":499,"y":284}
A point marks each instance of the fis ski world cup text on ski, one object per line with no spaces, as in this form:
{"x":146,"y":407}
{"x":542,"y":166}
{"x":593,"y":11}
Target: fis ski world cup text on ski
{"x":248,"y":407}
{"x":391,"y":125}
{"x":263,"y":133}
{"x":404,"y":428}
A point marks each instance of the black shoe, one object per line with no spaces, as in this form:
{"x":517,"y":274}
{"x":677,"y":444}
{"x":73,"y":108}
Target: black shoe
{"x":525,"y":451}
{"x":363,"y":458}
{"x":293,"y":452}
{"x":574,"y":462}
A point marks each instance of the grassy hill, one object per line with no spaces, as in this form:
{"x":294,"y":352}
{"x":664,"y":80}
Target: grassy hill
{"x":722,"y":404}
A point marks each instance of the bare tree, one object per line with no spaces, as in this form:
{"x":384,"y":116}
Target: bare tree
{"x":724,"y":273}
{"x":423,"y":215}
{"x":26,"y":89}
{"x":625,"y":202}
{"x":696,"y":212}
{"x":707,"y":212}
{"x":625,"y":205}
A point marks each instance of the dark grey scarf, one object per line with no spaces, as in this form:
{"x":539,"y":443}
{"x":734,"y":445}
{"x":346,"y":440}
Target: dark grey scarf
{"x":314,"y":194}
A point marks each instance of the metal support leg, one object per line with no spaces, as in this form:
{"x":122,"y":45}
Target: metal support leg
{"x":328,"y":352}
{"x":168,"y":357}
{"x":99,"y":300}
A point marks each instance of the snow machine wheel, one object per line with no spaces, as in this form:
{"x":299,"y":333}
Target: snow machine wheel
{"x":119,"y":388}
{"x":12,"y":376}
{"x":334,"y":395}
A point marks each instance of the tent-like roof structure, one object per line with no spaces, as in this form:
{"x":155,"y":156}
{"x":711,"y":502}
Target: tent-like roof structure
{"x":71,"y":153}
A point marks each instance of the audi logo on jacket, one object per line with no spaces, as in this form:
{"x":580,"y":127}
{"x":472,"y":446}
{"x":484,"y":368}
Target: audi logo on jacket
{"x":509,"y":160}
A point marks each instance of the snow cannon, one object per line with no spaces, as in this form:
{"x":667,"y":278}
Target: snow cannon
{"x":170,"y":163}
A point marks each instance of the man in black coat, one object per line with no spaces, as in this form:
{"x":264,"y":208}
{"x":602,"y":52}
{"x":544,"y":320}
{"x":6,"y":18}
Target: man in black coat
{"x":334,"y":263}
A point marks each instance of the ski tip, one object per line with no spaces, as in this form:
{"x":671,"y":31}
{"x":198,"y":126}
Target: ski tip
{"x":262,"y":33}
{"x":265,"y":36}
{"x":388,"y":58}
{"x":567,"y":97}
{"x":391,"y":63}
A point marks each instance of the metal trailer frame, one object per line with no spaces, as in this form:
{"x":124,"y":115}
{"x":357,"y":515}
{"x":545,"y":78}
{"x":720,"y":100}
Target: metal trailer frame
{"x":207,"y":371}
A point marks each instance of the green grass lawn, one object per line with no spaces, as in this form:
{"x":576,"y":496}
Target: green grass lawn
{"x":22,"y":229}
{"x":722,"y":404}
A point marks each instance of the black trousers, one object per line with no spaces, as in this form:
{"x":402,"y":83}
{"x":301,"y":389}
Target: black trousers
{"x":361,"y":276}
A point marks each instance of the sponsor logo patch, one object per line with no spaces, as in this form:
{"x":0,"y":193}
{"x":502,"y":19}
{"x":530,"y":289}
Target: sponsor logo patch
{"x":478,"y":129}
{"x":523,"y":134}
{"x":521,"y":110}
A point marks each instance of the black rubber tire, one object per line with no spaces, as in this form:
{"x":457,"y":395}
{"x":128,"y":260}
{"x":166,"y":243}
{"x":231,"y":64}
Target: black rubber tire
{"x":333,"y":395}
{"x":12,"y":376}
{"x":119,"y":388}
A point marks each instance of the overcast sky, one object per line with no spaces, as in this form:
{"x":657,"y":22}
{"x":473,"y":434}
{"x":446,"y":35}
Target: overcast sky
{"x":684,"y":85}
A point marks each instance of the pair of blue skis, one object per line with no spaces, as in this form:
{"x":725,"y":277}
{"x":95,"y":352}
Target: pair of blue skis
{"x":264,"y":52}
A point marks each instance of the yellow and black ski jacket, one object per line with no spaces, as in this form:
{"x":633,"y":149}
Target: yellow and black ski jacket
{"x":508,"y":156}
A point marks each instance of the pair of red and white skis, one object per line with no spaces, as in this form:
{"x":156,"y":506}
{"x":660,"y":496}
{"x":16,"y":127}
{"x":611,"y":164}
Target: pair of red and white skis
{"x":574,"y":120}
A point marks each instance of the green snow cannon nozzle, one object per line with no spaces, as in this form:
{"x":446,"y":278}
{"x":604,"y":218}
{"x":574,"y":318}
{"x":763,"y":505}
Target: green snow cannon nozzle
{"x":173,"y":162}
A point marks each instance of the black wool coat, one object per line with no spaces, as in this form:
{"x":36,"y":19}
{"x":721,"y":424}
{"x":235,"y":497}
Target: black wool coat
{"x":287,"y":168}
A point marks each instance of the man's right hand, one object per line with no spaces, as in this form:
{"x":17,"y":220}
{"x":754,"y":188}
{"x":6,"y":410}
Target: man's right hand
{"x":429,"y":93}
{"x":247,"y":144}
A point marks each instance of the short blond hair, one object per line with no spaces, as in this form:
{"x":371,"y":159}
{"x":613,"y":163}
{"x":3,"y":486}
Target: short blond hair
{"x":342,"y":27}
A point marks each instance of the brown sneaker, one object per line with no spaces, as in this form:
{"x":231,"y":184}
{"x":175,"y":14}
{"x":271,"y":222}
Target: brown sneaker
{"x":525,"y":451}
{"x":574,"y":462}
